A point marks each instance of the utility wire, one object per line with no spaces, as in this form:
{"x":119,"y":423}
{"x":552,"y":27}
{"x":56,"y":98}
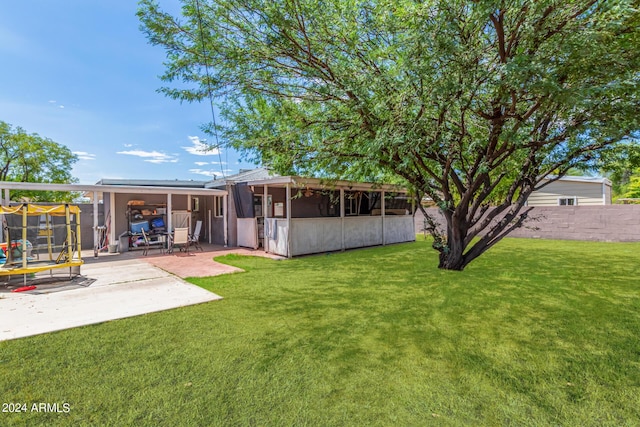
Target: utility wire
{"x":209,"y":91}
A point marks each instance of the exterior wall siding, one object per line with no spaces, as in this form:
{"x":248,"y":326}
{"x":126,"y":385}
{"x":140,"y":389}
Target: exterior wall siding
{"x":318,"y":235}
{"x":398,"y":229}
{"x":606,"y":223}
{"x":586,"y":193}
{"x":314,"y":235}
{"x":278,"y":244}
{"x":362,"y":231}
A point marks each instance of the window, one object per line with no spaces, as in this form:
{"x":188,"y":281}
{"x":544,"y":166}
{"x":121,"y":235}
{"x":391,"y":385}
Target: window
{"x":278,"y":209}
{"x":195,"y":204}
{"x":398,"y":204}
{"x":567,"y":201}
{"x":218,"y":206}
{"x":257,"y":205}
{"x":352,"y":200}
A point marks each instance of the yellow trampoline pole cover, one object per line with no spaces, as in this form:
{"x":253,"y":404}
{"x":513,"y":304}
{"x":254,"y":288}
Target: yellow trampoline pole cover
{"x":39,"y":209}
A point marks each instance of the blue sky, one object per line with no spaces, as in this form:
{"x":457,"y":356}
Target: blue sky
{"x":82,"y":73}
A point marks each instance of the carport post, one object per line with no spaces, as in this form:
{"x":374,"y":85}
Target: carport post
{"x":189,"y":209}
{"x":95,"y":223}
{"x":265,"y":215}
{"x":169,"y":222}
{"x":225,"y":219}
{"x":112,"y":218}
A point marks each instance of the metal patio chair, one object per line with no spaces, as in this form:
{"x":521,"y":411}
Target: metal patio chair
{"x":149,"y":243}
{"x":181,"y":239}
{"x":194,"y":239}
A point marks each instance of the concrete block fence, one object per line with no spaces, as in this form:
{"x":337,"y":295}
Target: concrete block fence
{"x":607,"y":223}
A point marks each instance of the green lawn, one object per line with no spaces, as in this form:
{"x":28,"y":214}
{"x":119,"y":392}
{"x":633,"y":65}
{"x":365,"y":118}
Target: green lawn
{"x":533,"y":333}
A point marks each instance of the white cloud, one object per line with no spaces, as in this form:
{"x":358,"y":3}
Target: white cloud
{"x":159,"y":161}
{"x":151,"y":156}
{"x":211,"y":173}
{"x":127,"y":145}
{"x":200,"y":147}
{"x":208,"y":173}
{"x":54,"y":102}
{"x":83,"y":155}
{"x":209,"y":163}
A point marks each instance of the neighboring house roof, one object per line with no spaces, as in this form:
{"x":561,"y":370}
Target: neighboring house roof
{"x":587,"y":179}
{"x":572,"y":190}
{"x":242,"y":176}
{"x":154,"y":183}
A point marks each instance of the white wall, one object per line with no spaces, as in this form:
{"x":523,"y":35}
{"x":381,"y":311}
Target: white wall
{"x":362,"y":231}
{"x":318,"y":235}
{"x":315,"y":235}
{"x":399,"y":229}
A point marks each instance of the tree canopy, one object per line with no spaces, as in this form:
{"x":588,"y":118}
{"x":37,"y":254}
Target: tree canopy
{"x":473,"y":103}
{"x":28,"y":157}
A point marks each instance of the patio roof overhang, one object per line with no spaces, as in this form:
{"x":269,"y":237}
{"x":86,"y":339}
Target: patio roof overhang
{"x":325,"y":184}
{"x":36,"y":186}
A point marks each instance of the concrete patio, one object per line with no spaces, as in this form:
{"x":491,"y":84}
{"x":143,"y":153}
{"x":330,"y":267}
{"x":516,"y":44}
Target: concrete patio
{"x":110,"y":286}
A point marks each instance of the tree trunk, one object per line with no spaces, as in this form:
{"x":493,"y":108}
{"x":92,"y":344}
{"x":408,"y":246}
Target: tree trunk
{"x":452,"y":258}
{"x":452,"y":255}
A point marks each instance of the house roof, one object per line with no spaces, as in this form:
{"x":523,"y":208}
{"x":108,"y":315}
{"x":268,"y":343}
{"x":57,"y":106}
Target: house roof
{"x":38,"y":186}
{"x":587,"y":179}
{"x":301,"y":182}
{"x":242,"y":176}
{"x":154,"y":183}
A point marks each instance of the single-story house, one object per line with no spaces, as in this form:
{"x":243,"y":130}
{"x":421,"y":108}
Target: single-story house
{"x":285,"y":215}
{"x":573,"y":191}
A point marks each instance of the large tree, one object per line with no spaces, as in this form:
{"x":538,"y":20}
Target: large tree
{"x":472,"y":103}
{"x":28,"y":157}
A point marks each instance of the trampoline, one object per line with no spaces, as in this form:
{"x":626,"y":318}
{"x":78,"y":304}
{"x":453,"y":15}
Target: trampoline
{"x":39,"y":238}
